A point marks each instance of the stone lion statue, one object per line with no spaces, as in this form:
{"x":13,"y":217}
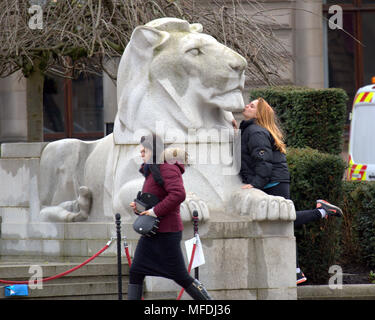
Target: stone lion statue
{"x":183,"y":85}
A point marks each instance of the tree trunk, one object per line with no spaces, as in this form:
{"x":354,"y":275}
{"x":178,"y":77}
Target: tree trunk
{"x":34,"y":102}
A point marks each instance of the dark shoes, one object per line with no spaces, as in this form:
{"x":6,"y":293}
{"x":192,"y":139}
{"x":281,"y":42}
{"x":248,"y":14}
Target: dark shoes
{"x":197,"y":291}
{"x":329,"y":208}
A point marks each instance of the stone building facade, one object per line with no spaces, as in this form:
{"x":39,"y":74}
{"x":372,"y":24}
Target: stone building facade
{"x":322,"y":56}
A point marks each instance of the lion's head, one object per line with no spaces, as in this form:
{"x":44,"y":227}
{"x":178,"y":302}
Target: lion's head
{"x":173,"y":76}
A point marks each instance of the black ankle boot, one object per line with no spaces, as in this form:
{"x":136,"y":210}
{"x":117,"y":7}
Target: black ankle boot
{"x":197,"y":291}
{"x":135,"y":291}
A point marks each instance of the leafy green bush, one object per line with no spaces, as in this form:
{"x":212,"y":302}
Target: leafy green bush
{"x":349,"y":238}
{"x":348,"y":241}
{"x":359,"y":227}
{"x":316,"y":175}
{"x":312,"y":118}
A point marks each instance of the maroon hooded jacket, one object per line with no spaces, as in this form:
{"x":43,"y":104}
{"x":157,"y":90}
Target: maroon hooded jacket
{"x":171,"y":195}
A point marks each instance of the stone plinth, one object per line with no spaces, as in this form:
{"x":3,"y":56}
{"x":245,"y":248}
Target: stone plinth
{"x":244,"y":259}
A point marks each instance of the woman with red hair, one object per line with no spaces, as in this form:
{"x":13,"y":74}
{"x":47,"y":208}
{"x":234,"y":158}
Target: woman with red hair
{"x":264,"y":166}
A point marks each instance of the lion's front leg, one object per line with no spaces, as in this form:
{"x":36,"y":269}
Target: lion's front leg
{"x":260,"y":206}
{"x":70,"y":211}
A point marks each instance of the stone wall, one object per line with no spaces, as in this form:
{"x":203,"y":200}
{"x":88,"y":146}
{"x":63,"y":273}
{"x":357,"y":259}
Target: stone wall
{"x":13,"y":117}
{"x":308,"y":29}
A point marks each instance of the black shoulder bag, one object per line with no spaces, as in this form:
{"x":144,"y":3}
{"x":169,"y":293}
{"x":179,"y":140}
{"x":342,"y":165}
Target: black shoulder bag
{"x":147,"y":225}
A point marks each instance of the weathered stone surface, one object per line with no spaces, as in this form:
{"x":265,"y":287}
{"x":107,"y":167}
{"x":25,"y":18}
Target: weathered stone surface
{"x":19,"y":183}
{"x":22,"y":149}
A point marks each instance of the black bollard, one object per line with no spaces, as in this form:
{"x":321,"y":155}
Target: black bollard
{"x":195,"y":223}
{"x":119,"y":276}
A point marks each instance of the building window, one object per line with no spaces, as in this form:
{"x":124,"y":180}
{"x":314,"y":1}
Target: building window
{"x":350,"y":54}
{"x":73,"y":108}
{"x":368,"y":39}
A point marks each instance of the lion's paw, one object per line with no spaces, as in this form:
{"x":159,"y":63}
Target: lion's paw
{"x":191,"y":203}
{"x":260,"y":206}
{"x":70,"y":211}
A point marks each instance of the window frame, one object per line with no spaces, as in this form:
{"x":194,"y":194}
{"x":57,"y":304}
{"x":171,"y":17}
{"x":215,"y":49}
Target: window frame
{"x":356,"y":8}
{"x":69,"y":119}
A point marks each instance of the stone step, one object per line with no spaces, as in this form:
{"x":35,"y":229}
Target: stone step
{"x":19,"y":271}
{"x":77,"y":279}
{"x":73,"y":290}
{"x":44,"y":239}
{"x":91,"y":281}
{"x":345,"y":292}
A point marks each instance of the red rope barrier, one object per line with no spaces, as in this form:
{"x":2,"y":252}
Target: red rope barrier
{"x":128,"y":256}
{"x":63,"y":273}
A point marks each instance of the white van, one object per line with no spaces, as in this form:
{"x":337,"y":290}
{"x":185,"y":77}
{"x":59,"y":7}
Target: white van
{"x":362,"y":136}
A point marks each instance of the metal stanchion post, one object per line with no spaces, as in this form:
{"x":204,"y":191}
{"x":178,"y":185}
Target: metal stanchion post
{"x":195,"y":223}
{"x":119,"y":275}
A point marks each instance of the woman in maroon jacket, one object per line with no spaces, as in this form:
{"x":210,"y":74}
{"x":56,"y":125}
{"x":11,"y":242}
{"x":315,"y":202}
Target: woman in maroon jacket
{"x":161,"y":255}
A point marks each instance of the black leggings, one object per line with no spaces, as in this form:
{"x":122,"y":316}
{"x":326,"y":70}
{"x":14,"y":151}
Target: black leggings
{"x":302,"y":217}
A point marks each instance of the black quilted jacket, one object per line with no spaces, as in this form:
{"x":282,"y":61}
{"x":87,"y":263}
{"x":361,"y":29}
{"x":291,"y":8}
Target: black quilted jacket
{"x":261,"y":162}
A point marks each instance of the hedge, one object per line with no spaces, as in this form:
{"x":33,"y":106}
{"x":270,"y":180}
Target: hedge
{"x":312,"y":118}
{"x":359,"y":227}
{"x":315,"y":175}
{"x":347,"y":241}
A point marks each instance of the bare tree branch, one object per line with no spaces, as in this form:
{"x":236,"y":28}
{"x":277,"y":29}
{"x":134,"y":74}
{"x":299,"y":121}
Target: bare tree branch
{"x":88,"y":32}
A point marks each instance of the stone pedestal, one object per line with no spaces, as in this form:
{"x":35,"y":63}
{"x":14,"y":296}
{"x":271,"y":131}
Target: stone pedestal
{"x":245,"y":258}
